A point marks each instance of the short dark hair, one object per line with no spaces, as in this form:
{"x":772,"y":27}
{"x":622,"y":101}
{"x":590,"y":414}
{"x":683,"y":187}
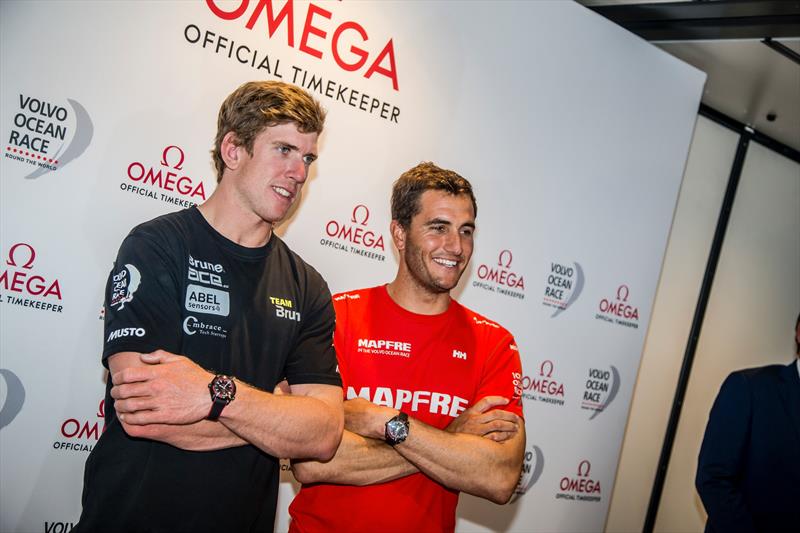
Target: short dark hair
{"x":257,"y":105}
{"x":425,"y":177}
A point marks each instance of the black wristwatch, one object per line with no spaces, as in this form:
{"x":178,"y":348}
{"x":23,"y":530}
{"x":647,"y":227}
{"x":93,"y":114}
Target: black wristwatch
{"x":397,"y":429}
{"x":223,"y":391}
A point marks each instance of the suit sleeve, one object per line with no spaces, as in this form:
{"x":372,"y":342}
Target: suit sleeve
{"x":722,"y":458}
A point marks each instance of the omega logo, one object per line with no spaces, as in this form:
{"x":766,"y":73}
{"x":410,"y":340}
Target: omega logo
{"x":165,"y":160}
{"x":359,"y":209}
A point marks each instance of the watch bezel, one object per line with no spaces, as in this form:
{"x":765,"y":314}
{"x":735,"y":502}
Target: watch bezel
{"x":397,"y":429}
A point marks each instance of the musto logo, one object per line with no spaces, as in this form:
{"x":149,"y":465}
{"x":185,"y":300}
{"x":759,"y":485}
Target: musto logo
{"x":618,"y":310}
{"x":532,"y":468}
{"x":501,"y":278}
{"x":563,"y":286}
{"x":600,"y":389}
{"x":23,"y":285}
{"x":80,"y":434}
{"x":543,"y":387}
{"x":355,"y":236}
{"x":165,"y":181}
{"x":320,"y":33}
{"x":48,"y":135}
{"x":581,"y":487}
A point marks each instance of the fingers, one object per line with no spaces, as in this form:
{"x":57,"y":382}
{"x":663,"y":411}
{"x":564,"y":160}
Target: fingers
{"x":500,"y":436}
{"x":158,"y":356}
{"x":132,"y":374}
{"x":139,"y":418}
{"x":488,"y":402}
{"x":132,"y":405}
{"x":131,"y":390}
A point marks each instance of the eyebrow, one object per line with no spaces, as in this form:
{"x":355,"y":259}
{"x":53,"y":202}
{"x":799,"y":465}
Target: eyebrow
{"x":444,"y":221}
{"x":292,"y":147}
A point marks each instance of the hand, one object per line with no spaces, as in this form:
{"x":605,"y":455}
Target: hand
{"x":170,"y":389}
{"x":367,"y":419}
{"x":497,"y":424}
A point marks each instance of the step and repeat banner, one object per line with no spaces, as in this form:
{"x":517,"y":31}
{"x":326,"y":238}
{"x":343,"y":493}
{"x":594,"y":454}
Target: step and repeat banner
{"x":573,"y":132}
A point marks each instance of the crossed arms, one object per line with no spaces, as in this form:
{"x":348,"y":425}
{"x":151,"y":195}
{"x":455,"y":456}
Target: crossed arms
{"x":480,"y":452}
{"x":164,"y":397}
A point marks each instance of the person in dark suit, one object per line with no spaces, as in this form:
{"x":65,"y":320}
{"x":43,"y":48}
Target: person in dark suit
{"x":748,"y":472}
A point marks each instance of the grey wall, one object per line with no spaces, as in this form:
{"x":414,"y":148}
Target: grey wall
{"x":749,"y":321}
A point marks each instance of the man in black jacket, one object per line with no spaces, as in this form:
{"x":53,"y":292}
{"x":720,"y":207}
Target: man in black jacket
{"x":748,"y":471}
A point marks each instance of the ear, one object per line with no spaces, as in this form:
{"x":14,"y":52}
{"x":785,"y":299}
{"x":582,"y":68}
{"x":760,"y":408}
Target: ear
{"x":231,"y":151}
{"x":398,"y":235}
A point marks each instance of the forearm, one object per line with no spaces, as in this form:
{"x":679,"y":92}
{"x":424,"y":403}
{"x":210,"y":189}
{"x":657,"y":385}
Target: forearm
{"x":284,"y":425}
{"x":201,"y":436}
{"x":468,"y":463}
{"x":358,"y":461}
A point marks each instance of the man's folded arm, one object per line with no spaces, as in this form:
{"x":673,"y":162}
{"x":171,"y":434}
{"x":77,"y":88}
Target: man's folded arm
{"x":203,"y":435}
{"x":171,"y":389}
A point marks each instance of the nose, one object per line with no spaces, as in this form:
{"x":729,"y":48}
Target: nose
{"x":453,"y":244}
{"x":297,"y":169}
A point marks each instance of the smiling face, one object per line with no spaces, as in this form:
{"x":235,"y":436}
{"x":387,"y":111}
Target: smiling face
{"x":437,"y":245}
{"x":269,"y":181}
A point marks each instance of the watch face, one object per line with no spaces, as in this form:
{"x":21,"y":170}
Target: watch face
{"x":223,"y":388}
{"x":398,"y":430}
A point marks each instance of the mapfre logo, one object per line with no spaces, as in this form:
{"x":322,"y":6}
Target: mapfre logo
{"x":355,"y":236}
{"x":384,"y":347}
{"x":563,"y":286}
{"x":79,"y":434}
{"x":123,"y":286}
{"x":580,"y":486}
{"x":618,"y":310}
{"x":25,"y":286}
{"x":411,"y":401}
{"x":543,"y":386}
{"x":47,"y":135}
{"x":532,"y":468}
{"x":164,"y":180}
{"x":600,"y":389}
{"x":501,"y":278}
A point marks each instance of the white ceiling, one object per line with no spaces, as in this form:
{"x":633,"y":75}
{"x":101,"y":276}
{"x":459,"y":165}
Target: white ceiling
{"x":747,"y":80}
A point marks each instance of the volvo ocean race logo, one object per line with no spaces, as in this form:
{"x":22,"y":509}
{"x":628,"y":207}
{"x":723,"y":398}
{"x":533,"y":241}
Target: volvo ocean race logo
{"x":47,"y":134}
{"x":563,"y":286}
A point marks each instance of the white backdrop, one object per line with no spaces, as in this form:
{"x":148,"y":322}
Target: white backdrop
{"x":573,"y":132}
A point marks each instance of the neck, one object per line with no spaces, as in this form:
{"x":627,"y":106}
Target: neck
{"x":411,"y":296}
{"x":226,"y":214}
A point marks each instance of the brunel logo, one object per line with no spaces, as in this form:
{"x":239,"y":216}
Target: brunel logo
{"x":20,"y":277}
{"x":155,"y":181}
{"x":501,"y":278}
{"x":532,"y":468}
{"x":618,"y":311}
{"x":581,"y":487}
{"x":48,"y":135}
{"x":355,"y":237}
